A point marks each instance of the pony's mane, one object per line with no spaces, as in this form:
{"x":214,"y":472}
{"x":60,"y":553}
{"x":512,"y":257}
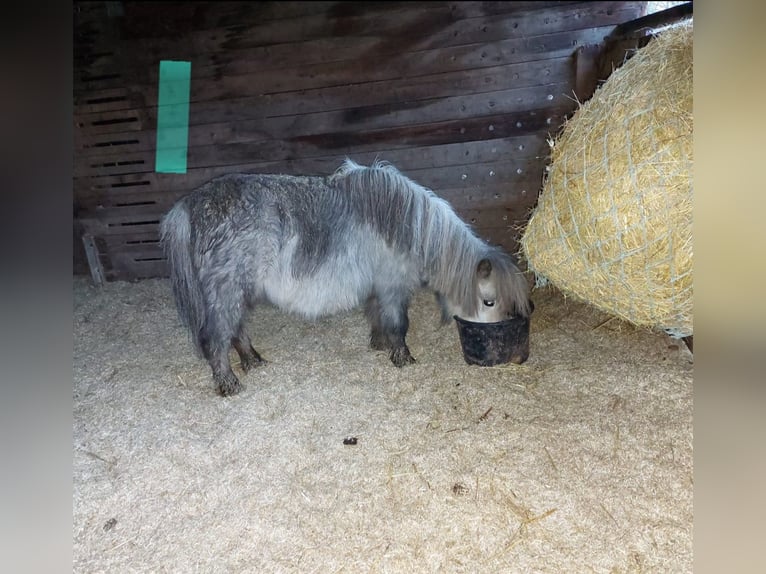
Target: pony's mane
{"x":416,"y":219}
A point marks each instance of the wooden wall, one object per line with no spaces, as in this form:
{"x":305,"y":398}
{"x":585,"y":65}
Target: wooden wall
{"x":461,"y":96}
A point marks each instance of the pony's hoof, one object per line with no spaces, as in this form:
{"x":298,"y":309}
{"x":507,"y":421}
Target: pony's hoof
{"x":401,"y":357}
{"x":229,"y":390}
{"x":228,"y":386}
{"x":249,"y":363}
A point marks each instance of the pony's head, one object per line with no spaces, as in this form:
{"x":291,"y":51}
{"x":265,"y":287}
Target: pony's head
{"x":498,"y":291}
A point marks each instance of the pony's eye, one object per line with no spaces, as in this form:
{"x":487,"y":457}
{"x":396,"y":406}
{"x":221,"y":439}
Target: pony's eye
{"x":489,"y":302}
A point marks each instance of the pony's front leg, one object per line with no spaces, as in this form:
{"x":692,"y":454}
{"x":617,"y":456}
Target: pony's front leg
{"x":400,"y":355}
{"x":378,"y":339}
{"x":394,"y":324}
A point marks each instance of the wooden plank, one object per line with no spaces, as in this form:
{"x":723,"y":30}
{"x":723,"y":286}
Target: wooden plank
{"x":126,"y":241}
{"x":435,"y":155}
{"x":209,"y":15}
{"x":115,"y":122}
{"x":586,"y":71}
{"x":110,"y":100}
{"x":268,"y":153}
{"x":92,"y":204}
{"x":616,"y":52}
{"x":641,"y":25}
{"x":94,"y":259}
{"x":354,"y":143}
{"x":113,"y":164}
{"x":145,"y":219}
{"x":125,"y":267}
{"x":461,"y":130}
{"x":342,"y":73}
{"x":452,"y":131}
{"x":143,"y":22}
{"x":503,"y":236}
{"x":80,"y":264}
{"x":369,"y":36}
{"x":362,"y":116}
{"x":473,"y":176}
{"x":440,"y":154}
{"x":146,"y":252}
{"x":100,"y":228}
{"x":99,"y":192}
{"x":114,"y":103}
{"x":119,"y":216}
{"x":304,"y":137}
{"x":499,"y":217}
{"x":272,"y":132}
{"x":523,"y":189}
{"x":125,"y":142}
{"x":476,"y":176}
{"x":162,"y":19}
{"x":305,"y":74}
{"x":478,"y":192}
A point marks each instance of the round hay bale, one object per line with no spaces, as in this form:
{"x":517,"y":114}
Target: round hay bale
{"x":613,"y":224}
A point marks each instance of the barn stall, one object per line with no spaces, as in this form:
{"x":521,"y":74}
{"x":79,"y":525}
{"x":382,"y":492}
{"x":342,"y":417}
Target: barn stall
{"x":578,"y":459}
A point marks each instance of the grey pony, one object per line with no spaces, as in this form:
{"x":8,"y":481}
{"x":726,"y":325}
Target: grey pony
{"x":315,"y":246}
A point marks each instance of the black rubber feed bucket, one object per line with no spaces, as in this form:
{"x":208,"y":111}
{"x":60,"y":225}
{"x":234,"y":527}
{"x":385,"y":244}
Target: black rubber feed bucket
{"x":489,"y":344}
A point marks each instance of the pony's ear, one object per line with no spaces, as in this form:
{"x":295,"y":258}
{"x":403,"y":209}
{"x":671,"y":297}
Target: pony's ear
{"x":484,"y":269}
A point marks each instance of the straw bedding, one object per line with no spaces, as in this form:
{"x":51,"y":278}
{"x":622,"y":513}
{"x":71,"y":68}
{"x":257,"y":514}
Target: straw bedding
{"x":579,"y":460}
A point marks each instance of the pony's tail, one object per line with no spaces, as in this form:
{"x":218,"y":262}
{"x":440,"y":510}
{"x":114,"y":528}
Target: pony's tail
{"x":175,"y":238}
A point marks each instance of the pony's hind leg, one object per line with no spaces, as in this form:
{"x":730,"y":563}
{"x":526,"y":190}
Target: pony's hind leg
{"x":248,"y":356}
{"x":222,"y":322}
{"x":216,"y":352}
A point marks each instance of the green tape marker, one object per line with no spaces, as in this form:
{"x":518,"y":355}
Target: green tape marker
{"x":173,"y":117}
